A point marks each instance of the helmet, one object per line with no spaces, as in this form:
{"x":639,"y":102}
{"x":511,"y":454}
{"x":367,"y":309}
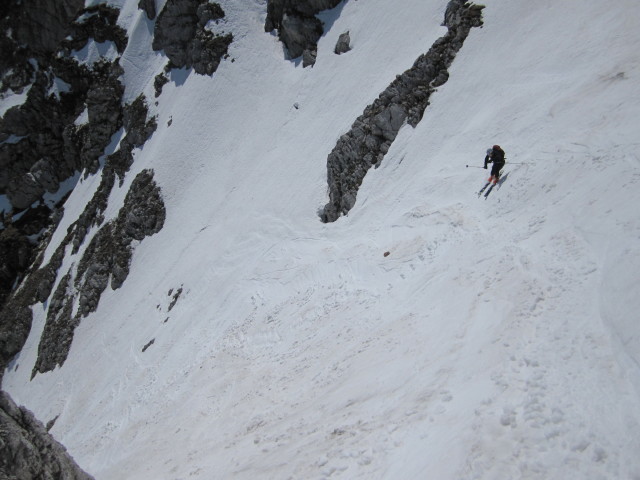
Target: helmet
{"x":496,"y":147}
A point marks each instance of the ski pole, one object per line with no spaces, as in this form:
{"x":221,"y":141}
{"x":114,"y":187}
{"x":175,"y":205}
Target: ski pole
{"x":473,"y":166}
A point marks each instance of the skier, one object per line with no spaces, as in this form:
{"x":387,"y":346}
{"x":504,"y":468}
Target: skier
{"x":495,"y":155}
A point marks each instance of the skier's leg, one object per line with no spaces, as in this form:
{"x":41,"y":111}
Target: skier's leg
{"x":495,"y":172}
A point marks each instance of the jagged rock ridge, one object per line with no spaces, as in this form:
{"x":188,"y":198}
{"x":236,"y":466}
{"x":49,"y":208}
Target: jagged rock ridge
{"x":405,"y":100}
{"x":16,"y":316}
{"x":40,"y":143}
{"x":106,"y":258}
{"x":28,"y":450}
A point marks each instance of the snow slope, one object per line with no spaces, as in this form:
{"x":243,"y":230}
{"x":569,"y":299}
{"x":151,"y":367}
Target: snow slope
{"x":498,"y":339}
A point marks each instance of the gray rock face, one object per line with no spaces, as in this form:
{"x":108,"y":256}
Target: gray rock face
{"x":28,"y":451}
{"x":309,"y":58}
{"x":299,"y":33}
{"x":16,"y":316}
{"x":42,"y":24}
{"x":105,"y":115}
{"x":50,"y":147}
{"x":159,"y":82}
{"x":342,"y":46}
{"x":406,"y":99}
{"x":37,"y":27}
{"x":58,"y":329}
{"x":47,"y":147}
{"x":98,"y":23}
{"x":298,"y":28}
{"x":32,"y":165}
{"x":139,"y":129}
{"x":16,"y":254}
{"x":105,"y":260}
{"x":149,"y":7}
{"x":180,"y":32}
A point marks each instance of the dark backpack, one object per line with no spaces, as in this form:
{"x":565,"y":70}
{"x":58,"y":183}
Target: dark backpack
{"x":497,"y":155}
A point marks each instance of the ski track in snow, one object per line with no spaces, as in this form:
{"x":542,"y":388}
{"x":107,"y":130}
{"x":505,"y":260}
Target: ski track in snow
{"x":497,"y":340}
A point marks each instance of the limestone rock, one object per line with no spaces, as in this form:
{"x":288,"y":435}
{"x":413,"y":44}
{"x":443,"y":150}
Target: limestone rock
{"x":28,"y":450}
{"x":149,"y":7}
{"x":105,"y":260}
{"x":58,"y":331}
{"x":104,"y":100}
{"x":299,"y":33}
{"x":309,"y":58}
{"x":44,"y":23}
{"x":342,"y":46}
{"x":98,"y":23}
{"x":159,"y":82}
{"x":298,"y":28}
{"x":180,"y":31}
{"x":47,"y":147}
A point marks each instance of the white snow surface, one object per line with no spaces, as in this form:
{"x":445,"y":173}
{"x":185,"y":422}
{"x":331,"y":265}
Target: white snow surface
{"x":10,"y":99}
{"x":499,"y":339}
{"x":94,"y":51}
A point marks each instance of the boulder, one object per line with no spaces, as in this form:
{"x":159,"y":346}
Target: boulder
{"x":342,"y":45}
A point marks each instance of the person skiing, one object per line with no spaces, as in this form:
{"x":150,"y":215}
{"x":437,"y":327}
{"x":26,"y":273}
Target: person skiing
{"x":495,"y":155}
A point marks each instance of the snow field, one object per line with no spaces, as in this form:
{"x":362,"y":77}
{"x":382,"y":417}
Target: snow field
{"x":497,"y":340}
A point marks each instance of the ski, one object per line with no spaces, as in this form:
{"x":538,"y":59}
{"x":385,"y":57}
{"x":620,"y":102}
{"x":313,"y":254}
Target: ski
{"x":489,"y":191}
{"x":483,"y":189}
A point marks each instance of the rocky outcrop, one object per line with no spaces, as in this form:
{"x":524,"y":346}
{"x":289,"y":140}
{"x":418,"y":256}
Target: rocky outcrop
{"x":309,"y":58}
{"x":180,"y":31}
{"x":342,"y":45}
{"x":16,"y":315}
{"x":53,"y":148}
{"x":40,"y":144}
{"x":97,"y":23}
{"x":31,"y":165}
{"x":42,"y":24}
{"x":138,"y":129}
{"x":28,"y":451}
{"x":109,"y":254}
{"x":16,"y":254}
{"x":105,"y":260}
{"x":149,"y":7}
{"x":59,"y":327}
{"x":298,"y":27}
{"x":86,"y":145}
{"x":159,"y":82}
{"x":104,"y":108}
{"x":405,"y":100}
